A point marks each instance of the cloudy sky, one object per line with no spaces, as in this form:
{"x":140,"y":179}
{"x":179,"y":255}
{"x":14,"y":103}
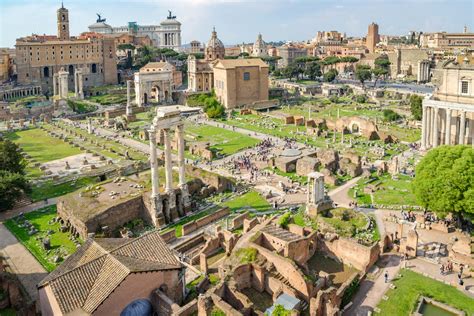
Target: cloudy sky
{"x":238,"y":21}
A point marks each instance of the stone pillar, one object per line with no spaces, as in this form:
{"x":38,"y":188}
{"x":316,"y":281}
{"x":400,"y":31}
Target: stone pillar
{"x":435,"y":128}
{"x":181,"y":147}
{"x":424,"y":129}
{"x":168,"y":161}
{"x":429,"y":125}
{"x":447,"y":139}
{"x":55,"y":84}
{"x":155,"y":185}
{"x":89,"y":125}
{"x":203,"y":263}
{"x":63,"y":84}
{"x":76,"y":85}
{"x":462,"y":128}
{"x":129,"y":110}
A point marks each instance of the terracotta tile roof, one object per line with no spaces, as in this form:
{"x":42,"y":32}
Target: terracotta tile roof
{"x":247,"y":62}
{"x":90,"y":275}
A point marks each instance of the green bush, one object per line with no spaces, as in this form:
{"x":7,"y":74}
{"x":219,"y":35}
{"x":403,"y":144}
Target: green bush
{"x":391,"y":115}
{"x":361,"y":98}
{"x":247,"y":255}
{"x":284,"y":220}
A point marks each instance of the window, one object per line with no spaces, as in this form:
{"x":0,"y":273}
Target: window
{"x":246,"y":76}
{"x":464,"y":87}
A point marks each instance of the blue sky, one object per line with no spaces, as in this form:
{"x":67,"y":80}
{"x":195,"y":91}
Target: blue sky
{"x":238,"y":21}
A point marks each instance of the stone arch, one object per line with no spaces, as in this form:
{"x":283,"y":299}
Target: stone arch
{"x":355,"y":127}
{"x":155,"y":92}
{"x":46,"y":72}
{"x":145,"y":98}
{"x":94,"y":68}
{"x":71,"y":70}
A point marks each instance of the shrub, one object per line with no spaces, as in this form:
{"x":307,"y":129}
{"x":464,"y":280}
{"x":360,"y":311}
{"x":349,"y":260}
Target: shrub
{"x":247,"y":255}
{"x":361,"y":98}
{"x":284,"y":220}
{"x":391,"y":115}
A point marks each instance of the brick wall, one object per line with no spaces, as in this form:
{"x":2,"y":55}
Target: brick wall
{"x":196,"y":224}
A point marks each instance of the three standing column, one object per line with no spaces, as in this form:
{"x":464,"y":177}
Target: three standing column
{"x":435,"y":128}
{"x":424,"y":129}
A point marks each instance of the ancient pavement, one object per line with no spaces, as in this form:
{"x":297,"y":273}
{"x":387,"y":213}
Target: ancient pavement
{"x":21,"y":262}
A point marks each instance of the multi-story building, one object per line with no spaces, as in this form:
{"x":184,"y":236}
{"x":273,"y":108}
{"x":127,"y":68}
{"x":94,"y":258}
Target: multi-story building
{"x":448,"y":115}
{"x":328,"y":37}
{"x":165,"y":35}
{"x":39,"y":57}
{"x":200,"y":72}
{"x":5,"y":65}
{"x":373,"y":37}
{"x":443,"y":40}
{"x":288,"y":53}
{"x":240,"y":81}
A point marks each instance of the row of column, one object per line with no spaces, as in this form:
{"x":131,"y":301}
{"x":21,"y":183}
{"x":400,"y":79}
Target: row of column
{"x":172,"y":39}
{"x":21,"y":93}
{"x":432,"y":129}
{"x":168,"y":160}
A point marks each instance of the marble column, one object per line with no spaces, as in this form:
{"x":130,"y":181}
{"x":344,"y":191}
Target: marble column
{"x":168,"y":161}
{"x":428,"y":127}
{"x":155,"y":185}
{"x":181,"y":145}
{"x":76,"y":85}
{"x":435,"y":128}
{"x":447,"y":140}
{"x":129,"y":110}
{"x":423,"y":128}
{"x":462,"y":128}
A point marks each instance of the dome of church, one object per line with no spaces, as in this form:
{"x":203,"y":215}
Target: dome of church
{"x":259,"y":47}
{"x":140,"y":307}
{"x":214,"y":42}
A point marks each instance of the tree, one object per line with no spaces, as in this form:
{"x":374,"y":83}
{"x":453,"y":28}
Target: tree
{"x":330,"y":75}
{"x":312,"y":70}
{"x":391,"y":115}
{"x":280,"y":310}
{"x":10,"y":157}
{"x":349,"y":59}
{"x":145,"y":54}
{"x":125,"y":47}
{"x":381,"y":68}
{"x":290,"y":71}
{"x":12,"y":186}
{"x":363,"y":73}
{"x":444,"y":181}
{"x":416,"y":107}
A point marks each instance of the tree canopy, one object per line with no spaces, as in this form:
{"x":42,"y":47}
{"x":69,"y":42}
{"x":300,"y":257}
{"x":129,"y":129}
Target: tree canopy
{"x":363,"y":73}
{"x":444,"y":180}
{"x":330,"y":75}
{"x":12,"y":169}
{"x":416,"y":103}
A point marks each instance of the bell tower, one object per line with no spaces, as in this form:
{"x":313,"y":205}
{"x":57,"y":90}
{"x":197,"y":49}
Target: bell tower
{"x":63,"y":23}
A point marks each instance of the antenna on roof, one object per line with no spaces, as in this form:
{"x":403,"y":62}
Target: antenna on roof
{"x":62,"y":5}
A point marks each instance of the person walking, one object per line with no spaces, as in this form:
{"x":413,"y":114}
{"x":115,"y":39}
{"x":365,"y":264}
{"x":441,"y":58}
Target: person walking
{"x":386,"y":276}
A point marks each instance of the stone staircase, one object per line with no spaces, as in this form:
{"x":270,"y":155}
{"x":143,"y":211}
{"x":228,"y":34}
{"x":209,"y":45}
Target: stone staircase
{"x":277,"y":275}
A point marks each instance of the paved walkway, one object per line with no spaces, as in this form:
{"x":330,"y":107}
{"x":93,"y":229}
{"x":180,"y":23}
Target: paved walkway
{"x":21,"y":262}
{"x":25,"y":209}
{"x":371,"y":291}
{"x":340,"y":194}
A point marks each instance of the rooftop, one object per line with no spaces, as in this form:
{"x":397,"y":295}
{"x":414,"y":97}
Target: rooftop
{"x":90,"y":275}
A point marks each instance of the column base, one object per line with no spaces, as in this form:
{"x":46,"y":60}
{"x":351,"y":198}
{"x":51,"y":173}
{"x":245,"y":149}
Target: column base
{"x":172,"y":212}
{"x":185,"y":199}
{"x":157,"y":216}
{"x":314,"y":209}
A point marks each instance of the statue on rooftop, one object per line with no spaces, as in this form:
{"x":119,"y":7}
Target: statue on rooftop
{"x":170,"y":16}
{"x":99,"y":18}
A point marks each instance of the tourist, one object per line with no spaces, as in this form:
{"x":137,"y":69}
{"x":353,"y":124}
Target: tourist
{"x":386,"y":276}
{"x":441,"y":269}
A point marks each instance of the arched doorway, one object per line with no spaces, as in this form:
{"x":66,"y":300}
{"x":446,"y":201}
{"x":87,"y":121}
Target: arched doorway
{"x":166,"y":95}
{"x":145,"y":98}
{"x":155,"y":93}
{"x":46,"y":72}
{"x":355,"y":128}
{"x":71,"y":70}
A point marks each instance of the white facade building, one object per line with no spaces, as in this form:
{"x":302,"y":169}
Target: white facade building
{"x":165,"y":35}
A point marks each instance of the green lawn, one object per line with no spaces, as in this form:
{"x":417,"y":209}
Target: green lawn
{"x":223,"y":141}
{"x":403,"y":299}
{"x":40,"y":219}
{"x":50,"y":189}
{"x":251,"y":199}
{"x":390,"y":192}
{"x":42,"y":147}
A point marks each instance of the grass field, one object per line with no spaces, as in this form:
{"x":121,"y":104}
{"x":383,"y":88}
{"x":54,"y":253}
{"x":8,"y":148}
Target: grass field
{"x":40,"y":220}
{"x":42,"y":147}
{"x":251,"y":199}
{"x":223,"y":141}
{"x":345,"y":221}
{"x":50,"y":189}
{"x":390,"y":192}
{"x":402,"y":300}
